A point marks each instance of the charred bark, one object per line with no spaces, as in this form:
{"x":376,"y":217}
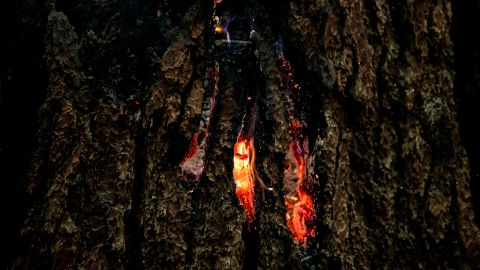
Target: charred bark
{"x":365,"y":90}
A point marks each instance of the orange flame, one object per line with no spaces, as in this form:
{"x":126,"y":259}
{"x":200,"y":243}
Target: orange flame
{"x":244,"y":174}
{"x":218,"y":29}
{"x":300,"y":209}
{"x":300,"y":215}
{"x":299,"y":204}
{"x":191,"y":167}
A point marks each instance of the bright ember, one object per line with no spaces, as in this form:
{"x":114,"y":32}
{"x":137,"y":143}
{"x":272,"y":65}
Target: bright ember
{"x":298,"y":203}
{"x":300,"y":216}
{"x":300,"y":210}
{"x":244,"y":175}
{"x":191,"y":167}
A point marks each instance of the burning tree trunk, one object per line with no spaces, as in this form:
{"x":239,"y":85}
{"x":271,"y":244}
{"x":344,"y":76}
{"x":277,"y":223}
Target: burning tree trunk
{"x":249,"y":134}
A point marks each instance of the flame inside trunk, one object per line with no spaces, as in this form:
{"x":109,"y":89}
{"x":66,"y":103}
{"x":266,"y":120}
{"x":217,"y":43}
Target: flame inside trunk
{"x":244,"y":174}
{"x":192,"y":165}
{"x":300,"y":215}
{"x":298,"y":203}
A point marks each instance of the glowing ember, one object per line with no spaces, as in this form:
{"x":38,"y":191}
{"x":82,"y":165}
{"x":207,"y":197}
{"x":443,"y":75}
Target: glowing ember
{"x":192,"y":165}
{"x":286,"y":70}
{"x":299,"y":205}
{"x":244,"y":174}
{"x":300,"y":216}
{"x":193,"y":148}
{"x":220,"y":25}
{"x":218,"y":29}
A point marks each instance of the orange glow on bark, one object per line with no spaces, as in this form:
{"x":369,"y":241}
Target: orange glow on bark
{"x":244,"y":175}
{"x":191,"y":167}
{"x":192,"y":148}
{"x":298,"y":203}
{"x":218,"y":29}
{"x":299,"y":214}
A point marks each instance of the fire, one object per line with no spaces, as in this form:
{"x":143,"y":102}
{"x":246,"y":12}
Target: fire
{"x":220,"y":25}
{"x":300,"y":216}
{"x":191,"y":167}
{"x":298,"y":203}
{"x":218,"y":29}
{"x":296,"y":150}
{"x":244,"y":174}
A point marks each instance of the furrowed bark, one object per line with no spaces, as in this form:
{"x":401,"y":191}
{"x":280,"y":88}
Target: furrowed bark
{"x":127,"y":88}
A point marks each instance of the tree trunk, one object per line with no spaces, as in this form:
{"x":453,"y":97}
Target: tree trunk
{"x":349,"y":103}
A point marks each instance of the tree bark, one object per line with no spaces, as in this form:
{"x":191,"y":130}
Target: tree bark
{"x":128,"y":84}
